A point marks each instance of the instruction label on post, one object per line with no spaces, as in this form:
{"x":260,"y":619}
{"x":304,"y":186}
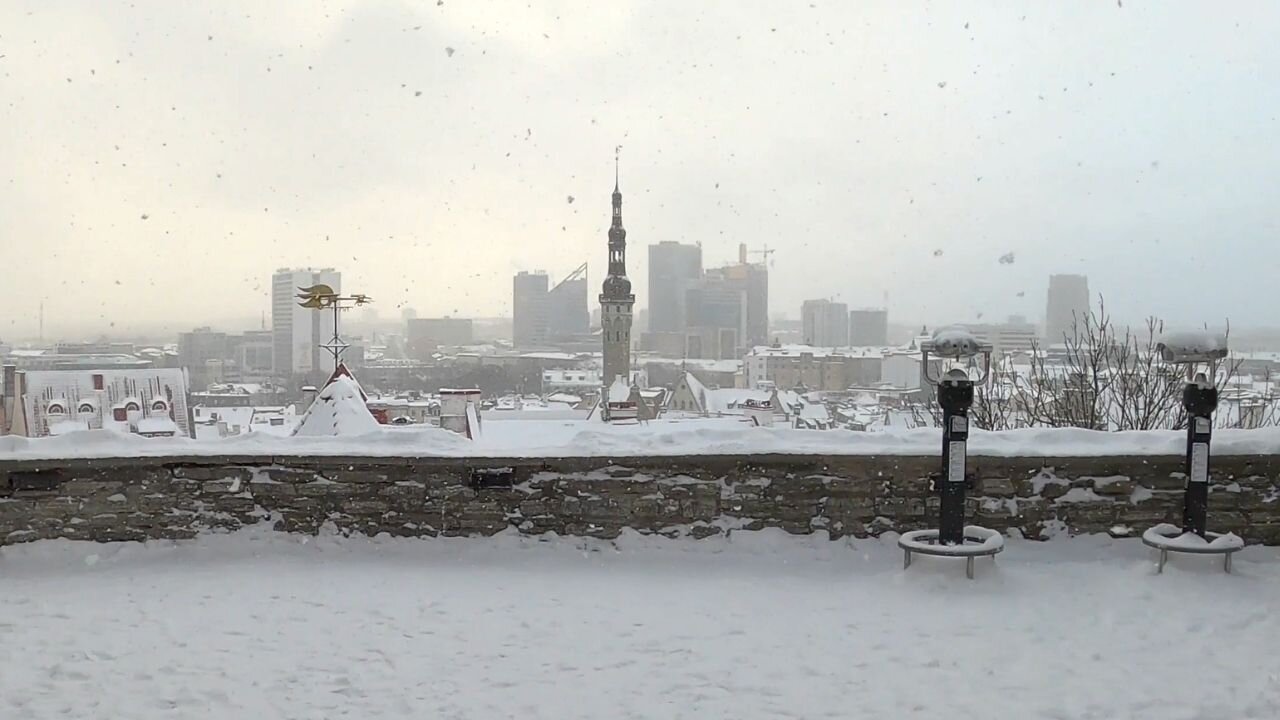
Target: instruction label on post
{"x":955,"y":462}
{"x":1199,"y":462}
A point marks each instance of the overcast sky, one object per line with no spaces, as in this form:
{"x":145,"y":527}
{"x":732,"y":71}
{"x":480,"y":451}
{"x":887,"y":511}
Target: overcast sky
{"x":159,"y":159}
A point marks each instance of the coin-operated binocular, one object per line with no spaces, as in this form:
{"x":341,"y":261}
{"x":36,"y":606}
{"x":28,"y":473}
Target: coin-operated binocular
{"x":949,"y":362}
{"x":1200,"y":353}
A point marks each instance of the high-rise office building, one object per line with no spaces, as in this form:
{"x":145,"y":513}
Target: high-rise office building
{"x":297,"y":332}
{"x":529,"y":309}
{"x":252,"y":354}
{"x":869,"y":327}
{"x":825,"y":323}
{"x":750,"y":283}
{"x":567,"y":314}
{"x":673,"y":268}
{"x":1068,"y":300}
{"x":717,"y":317}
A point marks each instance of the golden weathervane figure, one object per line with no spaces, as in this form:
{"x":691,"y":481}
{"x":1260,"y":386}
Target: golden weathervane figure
{"x":322,"y":297}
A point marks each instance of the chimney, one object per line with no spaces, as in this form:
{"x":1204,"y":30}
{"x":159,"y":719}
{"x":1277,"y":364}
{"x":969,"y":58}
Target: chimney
{"x":742,"y":253}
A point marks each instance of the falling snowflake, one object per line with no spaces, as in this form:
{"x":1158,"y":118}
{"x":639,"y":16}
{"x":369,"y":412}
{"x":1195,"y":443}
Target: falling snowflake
{"x":570,"y":199}
{"x":1006,"y":259}
{"x":449,"y":51}
{"x":937,"y":253}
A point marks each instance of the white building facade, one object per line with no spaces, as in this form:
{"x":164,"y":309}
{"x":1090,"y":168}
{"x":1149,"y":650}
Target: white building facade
{"x":297,"y":332}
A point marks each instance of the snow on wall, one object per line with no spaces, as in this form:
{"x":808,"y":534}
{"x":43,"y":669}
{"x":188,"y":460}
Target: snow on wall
{"x":696,"y":496}
{"x":659,"y":438}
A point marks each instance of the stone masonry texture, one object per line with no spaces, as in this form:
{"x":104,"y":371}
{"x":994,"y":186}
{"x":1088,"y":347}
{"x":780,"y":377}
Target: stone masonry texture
{"x":176,"y":497}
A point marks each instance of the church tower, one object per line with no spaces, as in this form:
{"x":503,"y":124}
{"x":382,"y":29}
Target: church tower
{"x":616,"y":300}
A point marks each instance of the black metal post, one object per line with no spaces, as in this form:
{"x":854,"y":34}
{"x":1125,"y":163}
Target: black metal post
{"x":1199,"y":398}
{"x":956,"y":397}
{"x":336,"y":337}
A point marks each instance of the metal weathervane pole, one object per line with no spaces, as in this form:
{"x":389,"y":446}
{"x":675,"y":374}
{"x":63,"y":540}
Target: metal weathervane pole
{"x":322,"y":297}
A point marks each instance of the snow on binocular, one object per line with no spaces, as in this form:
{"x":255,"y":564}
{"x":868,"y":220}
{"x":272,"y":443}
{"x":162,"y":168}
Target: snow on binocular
{"x":1192,"y":347}
{"x":956,"y":343}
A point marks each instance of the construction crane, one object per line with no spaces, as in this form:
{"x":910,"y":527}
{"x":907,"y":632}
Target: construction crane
{"x":764,"y":255}
{"x":581,"y":272}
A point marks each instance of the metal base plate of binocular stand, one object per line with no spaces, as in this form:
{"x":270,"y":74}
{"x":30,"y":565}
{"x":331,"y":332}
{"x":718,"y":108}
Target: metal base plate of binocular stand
{"x":978,"y":542}
{"x":1170,"y":538}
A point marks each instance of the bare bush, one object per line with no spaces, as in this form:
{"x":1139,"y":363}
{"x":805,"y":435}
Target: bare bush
{"x":1101,"y":377}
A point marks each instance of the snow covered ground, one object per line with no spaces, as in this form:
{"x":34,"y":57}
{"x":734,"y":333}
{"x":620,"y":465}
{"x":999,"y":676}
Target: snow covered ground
{"x":763,"y":625}
{"x":703,"y":436}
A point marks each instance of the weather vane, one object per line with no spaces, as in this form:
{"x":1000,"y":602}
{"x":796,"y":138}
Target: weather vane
{"x":322,"y":297}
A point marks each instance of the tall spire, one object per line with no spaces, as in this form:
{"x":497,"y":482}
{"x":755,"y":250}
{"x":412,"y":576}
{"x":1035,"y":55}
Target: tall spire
{"x":617,"y":234}
{"x":616,"y":299}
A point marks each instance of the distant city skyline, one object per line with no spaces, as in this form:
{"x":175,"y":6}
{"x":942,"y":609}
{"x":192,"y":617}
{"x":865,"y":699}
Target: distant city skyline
{"x":370,"y":317}
{"x":161,"y":157}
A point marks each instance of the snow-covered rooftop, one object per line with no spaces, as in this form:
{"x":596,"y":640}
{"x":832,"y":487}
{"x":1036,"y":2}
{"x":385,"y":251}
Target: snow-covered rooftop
{"x":556,"y":356}
{"x":563,"y":398}
{"x":338,"y":411}
{"x":795,"y":351}
{"x":716,"y":366}
{"x":619,"y":391}
{"x":234,"y":389}
{"x":583,"y":377}
{"x":105,"y":389}
{"x":157,"y":424}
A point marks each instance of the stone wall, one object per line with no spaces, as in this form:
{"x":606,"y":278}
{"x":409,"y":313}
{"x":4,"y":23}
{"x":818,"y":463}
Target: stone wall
{"x":135,"y":499}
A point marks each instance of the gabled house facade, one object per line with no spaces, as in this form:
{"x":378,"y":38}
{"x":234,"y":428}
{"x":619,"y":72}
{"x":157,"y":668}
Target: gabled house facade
{"x":151,"y":402}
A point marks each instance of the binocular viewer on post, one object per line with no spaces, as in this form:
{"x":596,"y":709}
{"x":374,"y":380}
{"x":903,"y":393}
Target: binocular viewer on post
{"x":959,"y":347}
{"x":947,"y":361}
{"x":1192,"y":347}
